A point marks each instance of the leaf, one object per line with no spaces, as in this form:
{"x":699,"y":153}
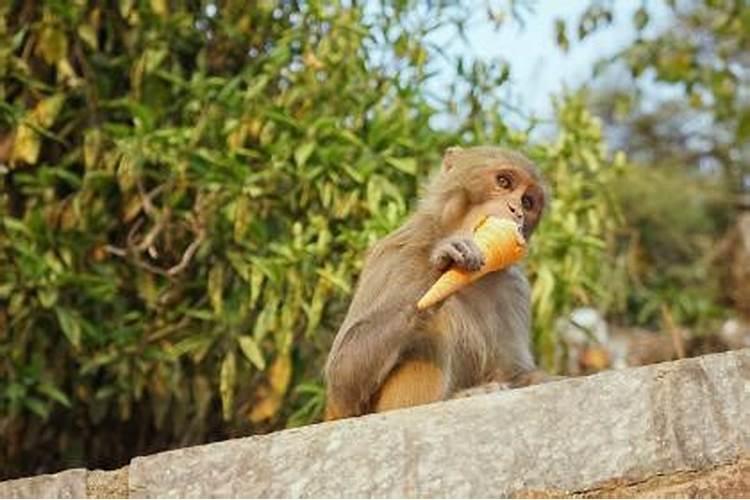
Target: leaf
{"x":227,"y":380}
{"x":215,"y":288}
{"x":47,"y":297}
{"x":87,"y":33}
{"x":160,"y":7}
{"x":37,"y":406}
{"x":280,"y":373}
{"x":17,"y":226}
{"x":743,"y":126}
{"x":561,"y":36}
{"x":54,"y":393}
{"x":640,"y":18}
{"x":303,"y":152}
{"x":266,"y":405}
{"x":52,"y":44}
{"x":28,"y":142}
{"x":70,"y":326}
{"x":406,"y":165}
{"x":251,"y":351}
{"x":92,"y":142}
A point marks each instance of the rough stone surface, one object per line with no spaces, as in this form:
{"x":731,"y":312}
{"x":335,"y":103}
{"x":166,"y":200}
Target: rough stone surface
{"x":724,"y":481}
{"x":68,"y":484}
{"x":107,"y":484}
{"x":622,"y":427}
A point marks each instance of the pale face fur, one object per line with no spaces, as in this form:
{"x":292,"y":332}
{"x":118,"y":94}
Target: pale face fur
{"x":478,"y":335}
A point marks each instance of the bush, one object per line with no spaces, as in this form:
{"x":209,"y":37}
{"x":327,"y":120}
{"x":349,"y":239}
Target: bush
{"x":672,"y":222}
{"x":188,"y":196}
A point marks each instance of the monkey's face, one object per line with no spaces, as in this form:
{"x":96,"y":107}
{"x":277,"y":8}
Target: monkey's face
{"x":494,"y":182}
{"x":510,"y":192}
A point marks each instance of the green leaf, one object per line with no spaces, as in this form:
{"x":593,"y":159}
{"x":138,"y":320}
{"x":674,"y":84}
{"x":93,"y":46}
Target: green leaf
{"x":54,"y":393}
{"x":640,"y":18}
{"x":406,"y":165}
{"x":303,"y":152}
{"x":227,"y":380}
{"x":37,"y":406}
{"x":70,"y":326}
{"x":743,"y":125}
{"x":251,"y":351}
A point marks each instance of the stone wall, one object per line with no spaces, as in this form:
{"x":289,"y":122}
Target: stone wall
{"x":679,"y":429}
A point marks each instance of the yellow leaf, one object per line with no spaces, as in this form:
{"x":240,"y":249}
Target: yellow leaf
{"x":267,"y":404}
{"x":131,"y":206}
{"x":312,"y":61}
{"x":160,"y":7}
{"x":87,"y":33}
{"x":242,"y":217}
{"x":52,"y":44}
{"x":27,"y":144}
{"x":227,"y":380}
{"x":92,"y":141}
{"x":66,"y":74}
{"x":126,"y":173}
{"x":280,"y":374}
{"x":46,"y":110}
{"x":216,"y":288}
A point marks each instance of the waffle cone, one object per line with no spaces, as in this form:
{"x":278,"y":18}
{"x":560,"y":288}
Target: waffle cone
{"x":500,"y":243}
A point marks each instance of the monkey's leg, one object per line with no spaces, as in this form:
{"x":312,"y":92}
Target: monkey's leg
{"x":412,"y":383}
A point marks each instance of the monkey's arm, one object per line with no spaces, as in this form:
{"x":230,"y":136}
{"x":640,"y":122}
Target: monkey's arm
{"x":381,"y":322}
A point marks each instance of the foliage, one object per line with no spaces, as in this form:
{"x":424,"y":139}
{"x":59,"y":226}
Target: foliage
{"x":666,"y":246}
{"x":570,"y":254}
{"x":684,"y":112}
{"x":188,"y":191}
{"x":700,"y":61}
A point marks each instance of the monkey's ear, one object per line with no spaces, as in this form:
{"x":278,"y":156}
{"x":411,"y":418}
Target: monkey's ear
{"x":450,"y":155}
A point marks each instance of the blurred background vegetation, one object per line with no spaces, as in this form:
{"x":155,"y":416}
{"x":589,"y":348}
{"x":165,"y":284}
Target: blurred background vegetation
{"x":187,"y":188}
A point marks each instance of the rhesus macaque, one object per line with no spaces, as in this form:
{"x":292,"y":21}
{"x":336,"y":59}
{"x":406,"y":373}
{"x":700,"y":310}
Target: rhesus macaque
{"x":387,"y":354}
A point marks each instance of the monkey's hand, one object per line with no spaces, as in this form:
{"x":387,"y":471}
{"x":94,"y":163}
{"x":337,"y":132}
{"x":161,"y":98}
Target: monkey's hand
{"x":457,"y":251}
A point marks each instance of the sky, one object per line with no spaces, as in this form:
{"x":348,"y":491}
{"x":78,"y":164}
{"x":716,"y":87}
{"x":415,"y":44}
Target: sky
{"x":539,"y":68}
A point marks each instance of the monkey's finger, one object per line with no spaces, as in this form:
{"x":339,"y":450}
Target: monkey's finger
{"x":472,"y":258}
{"x":451,"y":251}
{"x":441,"y":259}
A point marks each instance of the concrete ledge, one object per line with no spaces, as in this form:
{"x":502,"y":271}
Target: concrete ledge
{"x":674,"y":429}
{"x":67,"y":484}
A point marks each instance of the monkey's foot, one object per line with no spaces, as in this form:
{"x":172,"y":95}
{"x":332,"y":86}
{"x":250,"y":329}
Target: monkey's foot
{"x":482,"y":389}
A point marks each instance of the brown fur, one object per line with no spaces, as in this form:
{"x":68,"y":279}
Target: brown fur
{"x":387,"y":354}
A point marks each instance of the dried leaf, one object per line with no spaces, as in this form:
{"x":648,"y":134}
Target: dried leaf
{"x":266,"y":405}
{"x":280,"y":374}
{"x":28,"y":142}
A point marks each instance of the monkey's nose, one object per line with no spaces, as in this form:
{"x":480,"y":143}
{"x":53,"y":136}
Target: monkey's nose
{"x":515,"y":211}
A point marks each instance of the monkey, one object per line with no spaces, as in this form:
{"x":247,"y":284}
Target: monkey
{"x":387,"y":354}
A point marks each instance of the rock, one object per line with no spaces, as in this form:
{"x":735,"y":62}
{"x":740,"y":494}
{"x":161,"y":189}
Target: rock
{"x":679,"y":429}
{"x":566,"y":437}
{"x":67,"y":484}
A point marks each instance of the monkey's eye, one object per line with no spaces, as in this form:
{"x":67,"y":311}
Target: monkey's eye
{"x":527,"y":202}
{"x":503,"y":181}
